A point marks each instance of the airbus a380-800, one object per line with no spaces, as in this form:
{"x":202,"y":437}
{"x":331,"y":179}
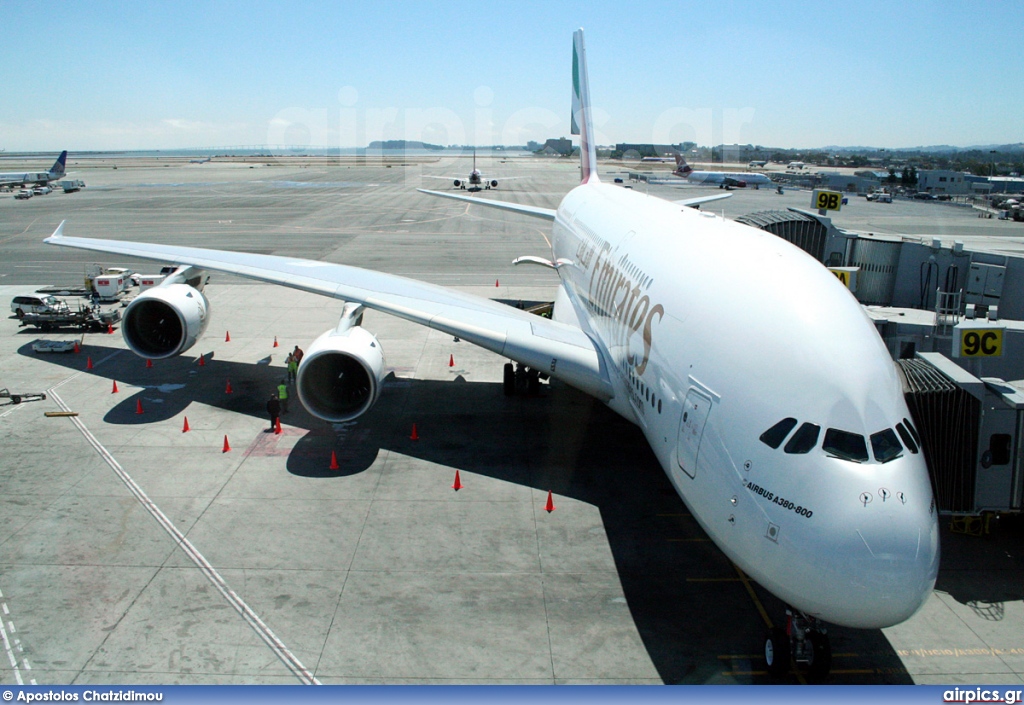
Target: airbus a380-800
{"x":758,"y":380}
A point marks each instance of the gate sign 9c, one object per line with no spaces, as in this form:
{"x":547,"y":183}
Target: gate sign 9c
{"x":827,"y":200}
{"x":980,"y":342}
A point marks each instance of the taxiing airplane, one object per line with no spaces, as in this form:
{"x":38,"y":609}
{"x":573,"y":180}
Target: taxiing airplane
{"x":761,"y":164}
{"x":723,"y":179}
{"x":758,"y":380}
{"x":476,"y":180}
{"x":39,"y":178}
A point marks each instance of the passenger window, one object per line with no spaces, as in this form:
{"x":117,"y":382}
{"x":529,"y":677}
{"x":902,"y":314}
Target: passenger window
{"x":805,"y":438}
{"x":845,"y":445}
{"x":908,"y":440}
{"x":886,"y":446}
{"x":775,"y":435}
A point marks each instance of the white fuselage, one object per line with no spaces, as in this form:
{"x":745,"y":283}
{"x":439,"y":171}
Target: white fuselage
{"x":27,"y":178}
{"x":720,"y":177}
{"x":713,"y":332}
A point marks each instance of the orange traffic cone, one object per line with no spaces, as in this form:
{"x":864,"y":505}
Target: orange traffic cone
{"x":451,"y":361}
{"x":277,"y":425}
{"x":275,"y":341}
{"x":202,"y":361}
{"x":77,"y":349}
{"x":88,"y":363}
{"x":458,"y":483}
{"x":226,"y":446}
{"x":334,"y":461}
{"x":138,"y":406}
{"x":496,"y":283}
{"x":227,"y":337}
{"x":228,"y":390}
{"x":550,"y":506}
{"x":114,"y":390}
{"x":415,"y":436}
{"x":185,"y":428}
{"x":149,"y":363}
{"x":110,"y":329}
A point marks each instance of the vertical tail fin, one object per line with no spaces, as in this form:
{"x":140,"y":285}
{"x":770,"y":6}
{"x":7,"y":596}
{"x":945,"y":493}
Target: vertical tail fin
{"x":582,"y":120}
{"x":58,"y":166}
{"x":682,"y":168}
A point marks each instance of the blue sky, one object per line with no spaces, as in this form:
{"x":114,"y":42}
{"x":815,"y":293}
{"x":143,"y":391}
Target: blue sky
{"x":162,"y":75}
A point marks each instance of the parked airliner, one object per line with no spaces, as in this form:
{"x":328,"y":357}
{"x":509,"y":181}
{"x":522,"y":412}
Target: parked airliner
{"x":39,"y":178}
{"x":723,"y":179}
{"x":760,"y":383}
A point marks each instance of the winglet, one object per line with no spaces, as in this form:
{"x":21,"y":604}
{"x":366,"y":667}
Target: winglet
{"x":582,"y":122}
{"x":58,"y":233}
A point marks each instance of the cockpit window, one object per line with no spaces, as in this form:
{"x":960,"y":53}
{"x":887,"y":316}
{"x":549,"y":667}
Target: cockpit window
{"x":913,"y":431}
{"x":886,"y":446}
{"x":775,"y":435}
{"x":908,"y":440}
{"x":845,"y":445}
{"x":805,"y":438}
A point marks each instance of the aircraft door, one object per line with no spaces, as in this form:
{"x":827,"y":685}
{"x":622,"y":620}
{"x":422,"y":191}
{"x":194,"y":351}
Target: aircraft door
{"x":695,"y":413}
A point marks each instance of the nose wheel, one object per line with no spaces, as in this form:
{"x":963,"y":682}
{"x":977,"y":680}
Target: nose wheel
{"x":803,"y":642}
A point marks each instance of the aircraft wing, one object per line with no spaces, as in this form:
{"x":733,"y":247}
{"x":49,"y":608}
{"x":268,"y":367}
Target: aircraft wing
{"x":697,"y":200}
{"x":557,"y":349}
{"x":535,"y":211}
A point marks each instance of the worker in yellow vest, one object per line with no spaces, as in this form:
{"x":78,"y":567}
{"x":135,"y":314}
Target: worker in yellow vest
{"x":282,"y":395}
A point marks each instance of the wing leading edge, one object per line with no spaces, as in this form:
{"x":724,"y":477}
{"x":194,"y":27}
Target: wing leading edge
{"x":555,"y":348}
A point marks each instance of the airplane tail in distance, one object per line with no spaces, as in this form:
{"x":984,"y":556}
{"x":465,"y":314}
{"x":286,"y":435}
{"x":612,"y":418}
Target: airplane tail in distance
{"x":582,"y":120}
{"x":58,"y":166}
{"x":682,"y":168}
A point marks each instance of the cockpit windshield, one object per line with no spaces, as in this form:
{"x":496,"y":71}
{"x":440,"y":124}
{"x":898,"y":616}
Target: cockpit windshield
{"x":886,"y":446}
{"x":845,"y":445}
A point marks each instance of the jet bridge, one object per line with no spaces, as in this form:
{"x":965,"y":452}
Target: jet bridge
{"x":972,"y":433}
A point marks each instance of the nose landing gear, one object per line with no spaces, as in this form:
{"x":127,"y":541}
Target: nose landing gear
{"x":804,"y":641}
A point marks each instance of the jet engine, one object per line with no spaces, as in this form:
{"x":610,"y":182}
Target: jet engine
{"x":494,"y":183}
{"x":165,"y":321}
{"x":341,"y":373}
{"x":457,"y":183}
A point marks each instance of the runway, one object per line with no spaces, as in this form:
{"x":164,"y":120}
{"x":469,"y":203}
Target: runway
{"x":134,"y":552}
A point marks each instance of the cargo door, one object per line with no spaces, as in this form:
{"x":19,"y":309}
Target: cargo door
{"x":695,"y":413}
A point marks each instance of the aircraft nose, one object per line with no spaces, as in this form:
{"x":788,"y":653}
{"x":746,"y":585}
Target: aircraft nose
{"x":892,"y":567}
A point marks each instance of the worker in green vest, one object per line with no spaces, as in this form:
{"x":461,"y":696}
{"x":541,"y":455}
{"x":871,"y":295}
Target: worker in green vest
{"x":282,"y":395}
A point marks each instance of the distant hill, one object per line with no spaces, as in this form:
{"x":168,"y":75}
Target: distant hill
{"x":402,"y":144}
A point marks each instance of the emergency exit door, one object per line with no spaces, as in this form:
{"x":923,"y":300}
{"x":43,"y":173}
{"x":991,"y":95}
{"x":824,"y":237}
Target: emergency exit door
{"x":695,"y":413}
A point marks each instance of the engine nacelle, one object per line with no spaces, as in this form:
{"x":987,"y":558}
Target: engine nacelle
{"x":165,"y":321}
{"x":458,"y":183}
{"x":494,"y":183}
{"x":340,"y":375}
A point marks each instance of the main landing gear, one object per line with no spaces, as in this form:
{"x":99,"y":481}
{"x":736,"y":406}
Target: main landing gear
{"x":805,"y":641}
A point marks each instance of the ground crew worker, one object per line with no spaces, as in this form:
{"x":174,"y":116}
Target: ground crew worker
{"x":297,"y":354}
{"x":274,"y":409}
{"x":293,"y":367}
{"x":282,"y":396}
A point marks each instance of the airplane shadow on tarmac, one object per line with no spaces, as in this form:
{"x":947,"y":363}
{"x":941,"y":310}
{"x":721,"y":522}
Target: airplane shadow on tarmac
{"x":696,"y":620}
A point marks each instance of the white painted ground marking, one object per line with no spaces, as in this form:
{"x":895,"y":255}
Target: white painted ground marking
{"x":277,"y":646}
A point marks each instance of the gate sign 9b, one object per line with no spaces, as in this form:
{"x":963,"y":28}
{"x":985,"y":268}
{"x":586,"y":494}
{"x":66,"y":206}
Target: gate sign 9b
{"x":980,"y":342}
{"x":827,"y":200}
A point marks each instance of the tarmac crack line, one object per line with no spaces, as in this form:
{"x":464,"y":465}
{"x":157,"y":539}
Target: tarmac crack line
{"x":262,"y":630}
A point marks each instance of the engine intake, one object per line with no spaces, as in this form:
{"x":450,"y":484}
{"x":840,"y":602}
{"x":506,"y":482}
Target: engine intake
{"x":340,"y":375}
{"x":165,"y":321}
